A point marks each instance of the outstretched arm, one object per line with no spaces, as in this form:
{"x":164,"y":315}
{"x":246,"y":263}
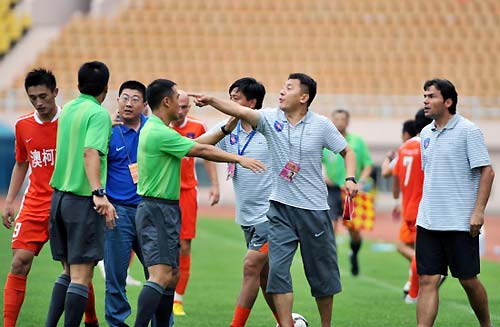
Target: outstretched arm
{"x":228,"y":107}
{"x":214,"y":137}
{"x":212,"y":153}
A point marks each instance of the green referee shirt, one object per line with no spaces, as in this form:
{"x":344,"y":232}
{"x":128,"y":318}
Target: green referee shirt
{"x":334,"y":163}
{"x":83,"y":123}
{"x":159,"y":156}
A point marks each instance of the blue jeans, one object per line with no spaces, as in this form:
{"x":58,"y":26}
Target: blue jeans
{"x":118,"y":245}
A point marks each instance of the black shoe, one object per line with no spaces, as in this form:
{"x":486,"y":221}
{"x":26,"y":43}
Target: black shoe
{"x":354,"y":265}
{"x":92,"y":324}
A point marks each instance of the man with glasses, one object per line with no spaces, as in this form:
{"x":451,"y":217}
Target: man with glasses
{"x":121,"y":190}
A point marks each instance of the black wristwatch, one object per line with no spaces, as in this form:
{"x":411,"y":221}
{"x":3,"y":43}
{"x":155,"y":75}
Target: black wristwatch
{"x":352,"y":179}
{"x":224,"y":130}
{"x":100,"y":192}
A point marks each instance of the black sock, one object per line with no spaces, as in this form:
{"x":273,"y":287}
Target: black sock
{"x":164,"y":310}
{"x":74,"y":307}
{"x":56,"y":307}
{"x":147,"y":303}
{"x":355,"y":246}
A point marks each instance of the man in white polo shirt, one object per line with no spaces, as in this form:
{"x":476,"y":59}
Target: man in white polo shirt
{"x":457,"y":184}
{"x":298,"y":210}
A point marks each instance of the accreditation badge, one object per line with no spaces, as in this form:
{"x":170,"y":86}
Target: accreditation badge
{"x":290,"y":171}
{"x":231,"y":168}
{"x":134,"y":173}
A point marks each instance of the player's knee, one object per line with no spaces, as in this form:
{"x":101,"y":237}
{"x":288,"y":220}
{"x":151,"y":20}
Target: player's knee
{"x":251,"y":267}
{"x":21,"y":265}
{"x":469,"y":283}
{"x":429,"y":281}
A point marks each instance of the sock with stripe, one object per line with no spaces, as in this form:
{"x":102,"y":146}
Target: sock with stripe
{"x":147,"y":303}
{"x":240,"y":316}
{"x":56,"y":307}
{"x":90,"y":314}
{"x":184,"y":272}
{"x":13,"y":298}
{"x":74,"y":306}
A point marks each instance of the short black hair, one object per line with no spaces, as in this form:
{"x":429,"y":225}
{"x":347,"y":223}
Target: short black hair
{"x":421,"y":121}
{"x":251,"y":89}
{"x":133,"y":85}
{"x":342,"y":111}
{"x":308,"y":85}
{"x":409,"y":127}
{"x":40,"y":76}
{"x":157,"y":90}
{"x":447,"y":90}
{"x":93,"y":78}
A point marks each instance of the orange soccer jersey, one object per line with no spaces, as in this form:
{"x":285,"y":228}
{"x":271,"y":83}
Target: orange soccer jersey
{"x":408,"y":168}
{"x":35,"y":144}
{"x":192,"y":128}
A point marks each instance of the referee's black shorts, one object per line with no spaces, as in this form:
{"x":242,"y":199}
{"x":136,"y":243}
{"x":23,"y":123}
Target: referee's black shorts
{"x":158,"y":224}
{"x":76,"y":230}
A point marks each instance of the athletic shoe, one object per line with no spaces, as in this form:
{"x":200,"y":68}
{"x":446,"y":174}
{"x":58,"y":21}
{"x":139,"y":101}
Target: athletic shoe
{"x":131,"y":281}
{"x":354,"y":264}
{"x":92,"y":324}
{"x":179,"y":309}
{"x":410,"y":300}
{"x":406,"y":289}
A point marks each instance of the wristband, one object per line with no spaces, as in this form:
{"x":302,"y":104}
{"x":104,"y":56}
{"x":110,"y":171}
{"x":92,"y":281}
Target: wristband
{"x":352,"y":179}
{"x":224,"y":130}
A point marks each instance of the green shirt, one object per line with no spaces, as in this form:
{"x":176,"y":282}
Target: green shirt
{"x":159,"y":156}
{"x":83,"y":123}
{"x":334,"y":163}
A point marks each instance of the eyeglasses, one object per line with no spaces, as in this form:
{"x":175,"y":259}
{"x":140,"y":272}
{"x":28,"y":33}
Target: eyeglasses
{"x":133,"y":100}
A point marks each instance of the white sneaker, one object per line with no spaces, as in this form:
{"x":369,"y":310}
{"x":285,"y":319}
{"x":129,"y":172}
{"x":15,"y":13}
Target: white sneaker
{"x":131,"y":281}
{"x":406,"y":289}
{"x":100,"y":265}
{"x":410,"y":300}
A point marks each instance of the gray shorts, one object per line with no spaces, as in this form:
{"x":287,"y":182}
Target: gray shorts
{"x":334,"y":200}
{"x":158,"y":224}
{"x":290,"y":226}
{"x":256,"y":236}
{"x":76,"y":230}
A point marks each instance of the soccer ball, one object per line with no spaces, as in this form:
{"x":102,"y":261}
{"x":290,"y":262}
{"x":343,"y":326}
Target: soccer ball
{"x":298,"y":321}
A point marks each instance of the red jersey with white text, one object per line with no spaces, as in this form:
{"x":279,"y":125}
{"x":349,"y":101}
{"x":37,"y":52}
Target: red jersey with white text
{"x":408,"y":168}
{"x":36,"y":144}
{"x":191,"y":128}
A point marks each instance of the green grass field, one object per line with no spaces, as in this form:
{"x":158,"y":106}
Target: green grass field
{"x":372,"y":299}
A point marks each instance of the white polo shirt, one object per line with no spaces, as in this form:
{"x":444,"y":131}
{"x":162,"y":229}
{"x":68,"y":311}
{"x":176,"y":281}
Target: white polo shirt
{"x":450,"y":159}
{"x":252,"y":190}
{"x":303,"y":144}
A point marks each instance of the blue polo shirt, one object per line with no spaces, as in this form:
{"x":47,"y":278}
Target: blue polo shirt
{"x":123,"y":145}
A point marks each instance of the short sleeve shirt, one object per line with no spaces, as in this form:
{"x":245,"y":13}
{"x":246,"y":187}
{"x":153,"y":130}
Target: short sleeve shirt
{"x":252,"y":190}
{"x":302,"y":144}
{"x":159,"y":156}
{"x":408,"y":168}
{"x":450,"y":158}
{"x":36,"y":144}
{"x":83,"y":123}
{"x":123,"y":145}
{"x":334,"y":163}
{"x":192,"y":128}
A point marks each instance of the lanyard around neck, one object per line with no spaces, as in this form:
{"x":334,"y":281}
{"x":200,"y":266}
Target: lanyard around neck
{"x":249,"y":138}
